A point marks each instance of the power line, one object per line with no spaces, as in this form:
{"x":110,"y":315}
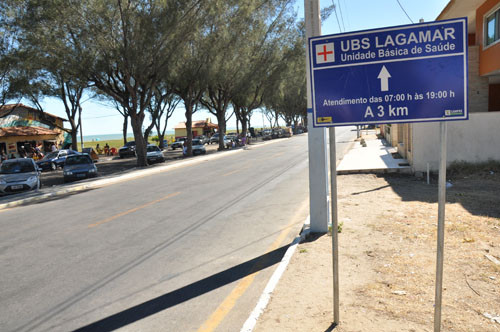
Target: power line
{"x":341,"y":16}
{"x":335,"y":10}
{"x":404,"y":11}
{"x":102,"y":116}
{"x":347,"y":16}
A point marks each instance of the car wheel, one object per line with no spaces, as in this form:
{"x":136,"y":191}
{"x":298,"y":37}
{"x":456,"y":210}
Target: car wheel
{"x":53,"y":166}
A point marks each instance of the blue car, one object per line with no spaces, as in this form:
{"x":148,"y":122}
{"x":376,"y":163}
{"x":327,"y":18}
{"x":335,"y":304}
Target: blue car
{"x":79,"y":167}
{"x":55,"y":159}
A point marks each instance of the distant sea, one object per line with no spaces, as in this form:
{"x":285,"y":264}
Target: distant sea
{"x":109,"y":137}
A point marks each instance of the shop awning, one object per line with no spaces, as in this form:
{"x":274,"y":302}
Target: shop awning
{"x":26,"y":131}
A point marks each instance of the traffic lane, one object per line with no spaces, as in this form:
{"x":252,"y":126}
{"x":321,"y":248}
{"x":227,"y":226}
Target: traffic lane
{"x":226,"y":244}
{"x":344,"y":137}
{"x":84,"y":240}
{"x":239,"y":246}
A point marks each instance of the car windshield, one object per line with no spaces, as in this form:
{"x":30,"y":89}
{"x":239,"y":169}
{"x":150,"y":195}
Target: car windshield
{"x":196,"y":142}
{"x":153,"y":148}
{"x":78,"y":160}
{"x":18,"y":166}
{"x":51,"y":155}
{"x":130,"y":143}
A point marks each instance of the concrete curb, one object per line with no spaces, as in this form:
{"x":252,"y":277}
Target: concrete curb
{"x":251,"y":321}
{"x":122,"y":178}
{"x":401,"y":170}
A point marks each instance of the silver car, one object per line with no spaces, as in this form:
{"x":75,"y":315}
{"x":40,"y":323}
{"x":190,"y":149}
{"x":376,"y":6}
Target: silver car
{"x":154,"y":154}
{"x":17,"y":175}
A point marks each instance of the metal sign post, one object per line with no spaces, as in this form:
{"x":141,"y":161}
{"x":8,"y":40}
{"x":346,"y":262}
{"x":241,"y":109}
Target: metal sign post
{"x":440,"y":230}
{"x":335,"y":233}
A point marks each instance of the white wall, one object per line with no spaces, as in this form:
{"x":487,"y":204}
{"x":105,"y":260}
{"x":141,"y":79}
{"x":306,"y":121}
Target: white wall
{"x":474,"y":140}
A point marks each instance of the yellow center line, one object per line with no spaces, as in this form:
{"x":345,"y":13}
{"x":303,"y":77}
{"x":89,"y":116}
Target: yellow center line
{"x":236,"y":170}
{"x":273,"y":156}
{"x":132,"y":210}
{"x":229,"y":302}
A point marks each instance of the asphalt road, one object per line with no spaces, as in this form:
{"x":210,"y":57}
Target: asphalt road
{"x":190,"y":249}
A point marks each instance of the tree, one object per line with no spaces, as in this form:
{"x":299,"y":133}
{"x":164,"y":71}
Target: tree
{"x":287,"y":98}
{"x":163,"y":103}
{"x":123,"y":47}
{"x":190,"y":77}
{"x":242,"y":37}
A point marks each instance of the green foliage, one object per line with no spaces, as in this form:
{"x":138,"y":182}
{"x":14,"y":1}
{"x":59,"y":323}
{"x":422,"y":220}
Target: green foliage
{"x":147,"y":55}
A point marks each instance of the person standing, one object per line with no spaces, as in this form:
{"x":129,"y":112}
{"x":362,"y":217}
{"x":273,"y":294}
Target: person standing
{"x":53,"y":147}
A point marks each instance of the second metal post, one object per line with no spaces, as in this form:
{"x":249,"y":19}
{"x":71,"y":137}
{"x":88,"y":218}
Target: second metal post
{"x":440,"y":231}
{"x":335,"y":234}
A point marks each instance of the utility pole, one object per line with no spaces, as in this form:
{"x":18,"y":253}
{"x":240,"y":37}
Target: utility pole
{"x":318,"y":174}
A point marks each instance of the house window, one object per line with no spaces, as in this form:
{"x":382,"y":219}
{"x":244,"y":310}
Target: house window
{"x":492,"y":29}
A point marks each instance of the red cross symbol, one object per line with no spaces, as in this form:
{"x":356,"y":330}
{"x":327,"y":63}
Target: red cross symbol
{"x":325,"y":53}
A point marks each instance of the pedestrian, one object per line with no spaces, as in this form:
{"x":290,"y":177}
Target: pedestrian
{"x":53,"y":147}
{"x":106,"y":149}
{"x":22,"y":152}
{"x":98,"y":149}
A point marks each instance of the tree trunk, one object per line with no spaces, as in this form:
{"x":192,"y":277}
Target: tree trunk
{"x":125,"y":126}
{"x":136,"y":121}
{"x":221,"y":119}
{"x":160,"y":141}
{"x":189,"y":129}
{"x":74,"y":139}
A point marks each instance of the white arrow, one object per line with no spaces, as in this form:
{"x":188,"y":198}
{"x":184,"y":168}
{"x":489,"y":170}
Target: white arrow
{"x":384,"y":79}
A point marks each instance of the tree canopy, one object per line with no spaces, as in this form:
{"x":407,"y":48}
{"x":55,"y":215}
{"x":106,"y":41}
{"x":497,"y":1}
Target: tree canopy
{"x":227,"y":56}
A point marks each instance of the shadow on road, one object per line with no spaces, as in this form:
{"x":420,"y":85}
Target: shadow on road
{"x":186,"y":293}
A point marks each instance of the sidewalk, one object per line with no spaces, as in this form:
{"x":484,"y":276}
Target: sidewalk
{"x":376,"y":157}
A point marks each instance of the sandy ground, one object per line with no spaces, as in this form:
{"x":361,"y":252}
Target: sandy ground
{"x":387,"y":251}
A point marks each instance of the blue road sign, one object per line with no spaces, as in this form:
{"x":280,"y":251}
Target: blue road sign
{"x":410,"y":73}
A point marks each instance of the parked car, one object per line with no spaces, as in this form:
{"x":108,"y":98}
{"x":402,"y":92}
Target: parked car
{"x":79,"y":167}
{"x":55,"y":159}
{"x":17,"y":175}
{"x":128,"y":150}
{"x":228,"y":142}
{"x":154,"y":154}
{"x":179,"y":143}
{"x":232,"y":136}
{"x":267,"y":134}
{"x":204,"y":139}
{"x":214,"y":138}
{"x":198,"y":147}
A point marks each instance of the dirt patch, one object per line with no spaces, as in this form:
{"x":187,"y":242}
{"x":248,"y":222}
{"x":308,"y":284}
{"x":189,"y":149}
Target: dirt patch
{"x":388,"y":259}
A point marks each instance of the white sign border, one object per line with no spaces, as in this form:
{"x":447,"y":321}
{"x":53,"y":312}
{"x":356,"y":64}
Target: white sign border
{"x":402,"y":27}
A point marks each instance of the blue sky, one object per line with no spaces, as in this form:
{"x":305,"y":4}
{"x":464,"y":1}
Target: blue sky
{"x":99,"y":118}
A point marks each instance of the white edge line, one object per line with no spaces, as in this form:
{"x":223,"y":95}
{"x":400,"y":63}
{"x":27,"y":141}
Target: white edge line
{"x":250,"y":323}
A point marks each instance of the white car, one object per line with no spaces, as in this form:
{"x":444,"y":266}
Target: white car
{"x":17,"y":175}
{"x":154,"y":154}
{"x":198,"y":147}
